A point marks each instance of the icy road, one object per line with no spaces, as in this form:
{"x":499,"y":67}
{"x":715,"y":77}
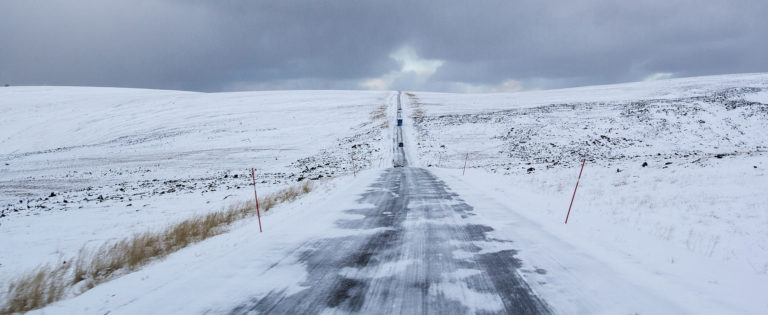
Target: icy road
{"x":417,"y":260}
{"x":418,"y":257}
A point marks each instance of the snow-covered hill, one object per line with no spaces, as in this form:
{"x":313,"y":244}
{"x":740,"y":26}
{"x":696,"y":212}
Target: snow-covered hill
{"x":674,"y":182}
{"x":84,"y":165}
{"x":672,"y":197}
{"x":679,"y":121}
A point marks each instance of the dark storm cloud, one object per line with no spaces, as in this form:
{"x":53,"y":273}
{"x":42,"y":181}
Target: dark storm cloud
{"x":603,"y":41}
{"x":225,"y":45}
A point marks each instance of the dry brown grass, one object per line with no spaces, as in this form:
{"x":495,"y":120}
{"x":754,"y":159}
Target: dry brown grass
{"x":415,"y":104}
{"x":47,"y":284}
{"x":42,"y":286}
{"x":380,"y":113}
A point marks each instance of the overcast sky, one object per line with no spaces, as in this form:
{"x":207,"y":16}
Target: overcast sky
{"x":456,"y":46}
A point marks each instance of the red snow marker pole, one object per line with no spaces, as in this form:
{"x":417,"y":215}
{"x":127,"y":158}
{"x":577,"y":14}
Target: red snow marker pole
{"x":574,"y":191}
{"x":253,"y":176}
{"x":465,"y":164}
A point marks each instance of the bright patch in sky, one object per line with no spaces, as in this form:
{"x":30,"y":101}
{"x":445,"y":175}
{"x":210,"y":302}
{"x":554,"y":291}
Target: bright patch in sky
{"x":413,"y":69}
{"x":659,"y":76}
{"x":411,"y":62}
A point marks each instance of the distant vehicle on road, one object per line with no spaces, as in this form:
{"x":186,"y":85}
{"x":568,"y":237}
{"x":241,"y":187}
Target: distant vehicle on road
{"x":400,"y":144}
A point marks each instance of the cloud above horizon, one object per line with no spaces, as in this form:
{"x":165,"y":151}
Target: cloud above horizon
{"x":457,"y":46}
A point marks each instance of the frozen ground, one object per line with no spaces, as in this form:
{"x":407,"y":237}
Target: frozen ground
{"x":670,"y":217}
{"x":693,"y":222}
{"x":80,"y":166}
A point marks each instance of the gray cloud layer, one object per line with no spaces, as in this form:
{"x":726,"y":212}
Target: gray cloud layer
{"x":230,"y":45}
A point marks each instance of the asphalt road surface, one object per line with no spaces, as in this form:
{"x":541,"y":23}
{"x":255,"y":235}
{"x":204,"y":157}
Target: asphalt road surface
{"x":399,"y":158}
{"x":415,"y":254}
{"x":420,"y":257}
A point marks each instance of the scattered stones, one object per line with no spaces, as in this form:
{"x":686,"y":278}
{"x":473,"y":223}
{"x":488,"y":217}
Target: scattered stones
{"x":323,"y":164}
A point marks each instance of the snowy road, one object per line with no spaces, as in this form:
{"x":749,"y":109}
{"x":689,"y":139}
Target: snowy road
{"x":399,"y":156}
{"x":418,"y":255}
{"x":421,"y":258}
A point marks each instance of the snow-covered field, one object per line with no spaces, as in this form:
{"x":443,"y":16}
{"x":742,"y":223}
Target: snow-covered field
{"x":692,"y":223}
{"x":678,"y":121}
{"x":672,"y":198}
{"x":81,"y":166}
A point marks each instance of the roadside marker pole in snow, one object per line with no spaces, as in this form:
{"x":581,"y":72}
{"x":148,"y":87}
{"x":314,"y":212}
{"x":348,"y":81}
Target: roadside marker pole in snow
{"x":574,"y":191}
{"x":465,"y":164}
{"x":253,"y":176}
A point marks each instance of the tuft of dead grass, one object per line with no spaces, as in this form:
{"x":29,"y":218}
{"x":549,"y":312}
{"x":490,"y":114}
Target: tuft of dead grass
{"x":380,"y":113}
{"x":285,"y":195}
{"x":417,"y":112}
{"x":34,"y":289}
{"x":47,"y":284}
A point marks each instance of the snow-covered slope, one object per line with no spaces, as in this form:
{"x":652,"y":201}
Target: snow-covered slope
{"x":83,"y":165}
{"x":672,"y":194}
{"x":693,"y":119}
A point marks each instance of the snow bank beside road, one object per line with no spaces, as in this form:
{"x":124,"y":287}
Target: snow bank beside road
{"x":696,"y":236}
{"x":221,"y":272}
{"x":687,"y":166}
{"x":673,"y":192}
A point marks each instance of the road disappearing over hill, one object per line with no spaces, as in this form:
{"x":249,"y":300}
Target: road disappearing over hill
{"x":417,"y":255}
